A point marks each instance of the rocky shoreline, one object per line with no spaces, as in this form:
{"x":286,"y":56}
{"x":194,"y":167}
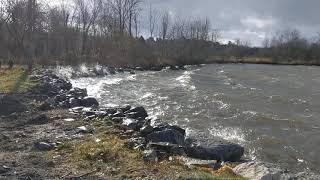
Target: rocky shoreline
{"x":157,"y":139}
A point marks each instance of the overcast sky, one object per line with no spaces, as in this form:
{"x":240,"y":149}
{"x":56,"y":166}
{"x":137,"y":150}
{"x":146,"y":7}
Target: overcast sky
{"x":250,"y":20}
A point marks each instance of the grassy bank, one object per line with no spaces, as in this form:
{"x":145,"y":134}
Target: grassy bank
{"x":105,"y":154}
{"x":15,"y":80}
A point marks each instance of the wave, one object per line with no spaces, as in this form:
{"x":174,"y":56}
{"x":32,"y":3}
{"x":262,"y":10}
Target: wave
{"x":228,"y":133}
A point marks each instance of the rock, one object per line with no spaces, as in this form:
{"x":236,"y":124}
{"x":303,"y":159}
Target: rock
{"x":146,"y":130}
{"x":39,"y":119}
{"x":258,"y":171}
{"x":221,"y":152}
{"x":150,"y":156}
{"x":137,"y":112}
{"x":10,"y":104}
{"x":74,"y":102}
{"x":214,"y":164}
{"x":125,"y":108}
{"x":117,"y":114}
{"x":78,"y":93}
{"x":44,"y":106}
{"x":118,"y":120}
{"x":69,"y":120}
{"x":84,"y":130}
{"x":43,"y":146}
{"x":131,"y":123}
{"x":168,"y":148}
{"x":4,"y":169}
{"x":169,"y":135}
{"x":89,"y":102}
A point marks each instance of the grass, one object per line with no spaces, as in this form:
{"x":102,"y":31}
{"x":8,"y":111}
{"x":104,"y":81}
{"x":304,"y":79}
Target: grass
{"x":15,"y":80}
{"x":105,"y":154}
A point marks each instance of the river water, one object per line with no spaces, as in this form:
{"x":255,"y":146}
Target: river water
{"x":274,"y":111}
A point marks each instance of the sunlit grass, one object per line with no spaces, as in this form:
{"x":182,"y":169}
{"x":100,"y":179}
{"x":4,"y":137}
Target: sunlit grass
{"x":15,"y":80}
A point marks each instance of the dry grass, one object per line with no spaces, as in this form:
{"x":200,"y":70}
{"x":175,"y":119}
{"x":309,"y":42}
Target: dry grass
{"x":15,"y":80}
{"x":105,"y":154}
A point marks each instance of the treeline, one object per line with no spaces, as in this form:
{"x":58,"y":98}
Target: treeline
{"x":109,"y":32}
{"x":288,"y":45}
{"x":104,"y":31}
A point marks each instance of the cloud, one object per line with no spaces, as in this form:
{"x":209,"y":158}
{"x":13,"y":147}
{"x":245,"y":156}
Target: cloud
{"x":250,"y":20}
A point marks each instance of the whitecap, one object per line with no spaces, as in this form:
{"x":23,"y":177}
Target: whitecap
{"x":228,"y":133}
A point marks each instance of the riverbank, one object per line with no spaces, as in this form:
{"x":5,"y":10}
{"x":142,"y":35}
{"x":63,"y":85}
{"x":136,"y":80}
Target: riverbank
{"x":55,"y":131}
{"x":260,"y":60}
{"x":43,"y":137}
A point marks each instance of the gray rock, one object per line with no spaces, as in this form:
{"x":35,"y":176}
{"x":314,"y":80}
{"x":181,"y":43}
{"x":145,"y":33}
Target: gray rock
{"x":258,"y":171}
{"x":84,"y":130}
{"x":131,"y":123}
{"x":146,"y":130}
{"x":89,"y":102}
{"x":78,"y":93}
{"x":169,"y":135}
{"x":43,"y":146}
{"x":168,"y":148}
{"x":137,"y":112}
{"x":150,"y":156}
{"x":74,"y":102}
{"x":222,"y":152}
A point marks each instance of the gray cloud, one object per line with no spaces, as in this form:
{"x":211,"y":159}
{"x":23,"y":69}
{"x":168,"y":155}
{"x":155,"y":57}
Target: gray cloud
{"x":249,"y":19}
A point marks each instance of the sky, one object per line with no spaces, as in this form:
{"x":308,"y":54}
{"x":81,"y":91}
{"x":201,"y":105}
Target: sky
{"x":248,"y":20}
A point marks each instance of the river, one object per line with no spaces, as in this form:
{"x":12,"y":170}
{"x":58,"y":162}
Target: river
{"x":273,"y":111}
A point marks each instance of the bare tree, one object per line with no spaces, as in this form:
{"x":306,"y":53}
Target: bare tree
{"x":152,"y":19}
{"x":164,"y":25}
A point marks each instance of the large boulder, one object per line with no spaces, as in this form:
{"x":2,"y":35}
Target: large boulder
{"x":222,"y":152}
{"x":89,"y":102}
{"x":78,"y":93}
{"x":137,"y":113}
{"x":169,"y":135}
{"x":258,"y":171}
{"x":10,"y":104}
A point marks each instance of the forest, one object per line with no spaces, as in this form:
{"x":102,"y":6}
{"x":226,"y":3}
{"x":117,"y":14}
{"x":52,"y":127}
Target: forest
{"x":112,"y":32}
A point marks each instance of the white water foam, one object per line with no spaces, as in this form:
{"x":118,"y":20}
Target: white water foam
{"x":229,"y":134}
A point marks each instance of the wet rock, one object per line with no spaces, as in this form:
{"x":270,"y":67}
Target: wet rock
{"x":10,"y":104}
{"x":137,"y":112}
{"x":78,"y":93}
{"x":171,"y":149}
{"x":89,"y":102}
{"x":169,"y":135}
{"x":43,"y":146}
{"x":74,"y":102}
{"x":150,"y":156}
{"x":39,"y":119}
{"x":125,"y":108}
{"x":131,"y":123}
{"x":258,"y":171}
{"x":4,"y":169}
{"x":117,"y":114}
{"x":221,"y":152}
{"x":145,"y":130}
{"x":84,"y":130}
